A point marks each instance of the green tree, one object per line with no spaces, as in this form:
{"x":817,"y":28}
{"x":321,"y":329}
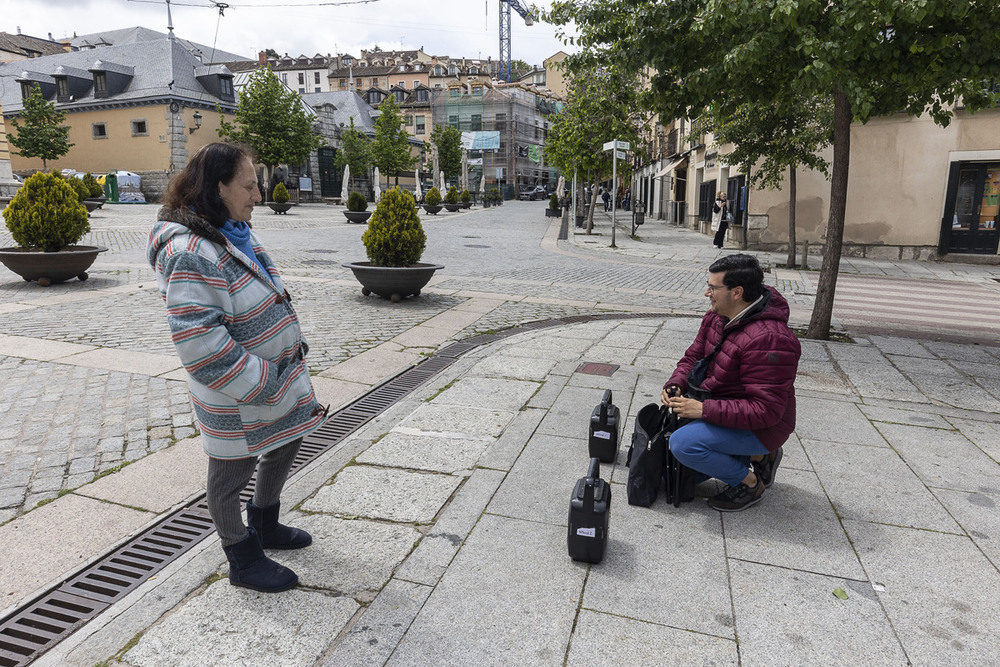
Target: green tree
{"x":448,"y":141}
{"x":770,"y":141}
{"x":355,"y":152}
{"x":273,"y":121}
{"x":871,"y":57}
{"x":41,"y":135}
{"x":603,"y":105}
{"x":391,"y":148}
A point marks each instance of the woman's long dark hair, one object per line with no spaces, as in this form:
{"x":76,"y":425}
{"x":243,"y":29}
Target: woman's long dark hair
{"x":197,"y":184}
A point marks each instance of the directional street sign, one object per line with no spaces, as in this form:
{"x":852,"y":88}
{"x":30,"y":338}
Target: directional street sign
{"x":620,"y":155}
{"x":609,"y":145}
{"x":619,"y":145}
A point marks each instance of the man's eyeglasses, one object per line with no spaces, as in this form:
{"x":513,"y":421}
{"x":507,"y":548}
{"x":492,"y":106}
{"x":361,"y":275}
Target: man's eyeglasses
{"x":711,"y":288}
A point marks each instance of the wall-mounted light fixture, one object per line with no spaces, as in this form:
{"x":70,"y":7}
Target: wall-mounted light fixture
{"x":197,"y":123}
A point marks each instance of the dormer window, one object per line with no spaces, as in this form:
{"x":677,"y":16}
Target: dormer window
{"x":477,"y":90}
{"x":400,"y":96}
{"x":226,"y":87}
{"x":62,"y":90}
{"x":25,"y":90}
{"x":100,"y":84}
{"x":421,"y":95}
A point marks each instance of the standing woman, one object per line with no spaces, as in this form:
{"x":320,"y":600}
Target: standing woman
{"x":720,"y":223}
{"x":238,"y":337}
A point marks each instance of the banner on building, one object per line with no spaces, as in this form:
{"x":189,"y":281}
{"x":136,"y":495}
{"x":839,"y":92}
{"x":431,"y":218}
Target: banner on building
{"x":535,"y":153}
{"x":481,"y":141}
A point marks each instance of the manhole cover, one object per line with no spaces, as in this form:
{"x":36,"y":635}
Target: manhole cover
{"x":473,"y":245}
{"x":321,"y":262}
{"x":322,"y":251}
{"x":590,"y":368}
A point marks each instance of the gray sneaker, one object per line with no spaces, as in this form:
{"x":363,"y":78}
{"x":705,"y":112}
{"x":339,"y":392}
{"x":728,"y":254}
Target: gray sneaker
{"x":737,"y":498}
{"x":765,"y":468}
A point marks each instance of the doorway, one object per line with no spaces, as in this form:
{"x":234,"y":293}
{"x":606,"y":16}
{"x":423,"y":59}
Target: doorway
{"x":972,"y":208}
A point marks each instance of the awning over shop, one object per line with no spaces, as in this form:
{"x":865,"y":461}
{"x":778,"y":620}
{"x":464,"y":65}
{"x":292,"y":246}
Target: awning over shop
{"x":669,"y":168}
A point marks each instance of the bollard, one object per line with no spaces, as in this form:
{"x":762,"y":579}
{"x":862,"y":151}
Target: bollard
{"x":805,"y":255}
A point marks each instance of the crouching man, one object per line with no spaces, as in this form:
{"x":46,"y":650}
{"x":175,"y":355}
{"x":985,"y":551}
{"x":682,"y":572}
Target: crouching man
{"x":736,"y":382}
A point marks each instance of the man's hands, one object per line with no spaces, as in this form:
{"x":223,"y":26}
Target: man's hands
{"x":687,"y":408}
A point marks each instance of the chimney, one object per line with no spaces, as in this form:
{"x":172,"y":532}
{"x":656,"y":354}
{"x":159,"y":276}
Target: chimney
{"x":50,"y":37}
{"x":19,"y":30}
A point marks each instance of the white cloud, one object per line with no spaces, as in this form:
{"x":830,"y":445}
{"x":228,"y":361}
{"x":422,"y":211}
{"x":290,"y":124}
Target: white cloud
{"x":457,"y":28}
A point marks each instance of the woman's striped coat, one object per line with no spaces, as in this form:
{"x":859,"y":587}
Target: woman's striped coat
{"x":237,"y":336}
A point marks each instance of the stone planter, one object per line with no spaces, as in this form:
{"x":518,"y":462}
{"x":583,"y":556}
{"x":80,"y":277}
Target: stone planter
{"x":49,"y":268}
{"x":451,"y":208}
{"x":91,"y":204}
{"x":357,"y":216}
{"x":279,"y":208}
{"x":487,"y":204}
{"x":392,"y":282}
{"x":99,"y":200}
{"x":467,"y":204}
{"x":552,"y":213}
{"x":433,"y":210}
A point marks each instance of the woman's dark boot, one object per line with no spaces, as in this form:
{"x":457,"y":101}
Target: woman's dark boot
{"x":250,"y":568}
{"x":274,"y":535}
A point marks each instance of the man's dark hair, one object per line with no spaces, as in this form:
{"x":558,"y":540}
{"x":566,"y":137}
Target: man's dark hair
{"x":741,"y":271}
{"x":197,"y":185}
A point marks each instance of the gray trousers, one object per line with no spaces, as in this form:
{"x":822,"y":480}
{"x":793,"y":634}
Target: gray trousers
{"x":228,"y":477}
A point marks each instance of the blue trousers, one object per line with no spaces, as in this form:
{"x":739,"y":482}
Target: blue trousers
{"x":716,"y":451}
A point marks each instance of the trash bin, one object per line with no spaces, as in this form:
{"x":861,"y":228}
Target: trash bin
{"x":638,"y":213}
{"x":111,"y":188}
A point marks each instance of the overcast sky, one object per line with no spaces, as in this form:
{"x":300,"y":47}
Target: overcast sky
{"x":468,"y":28}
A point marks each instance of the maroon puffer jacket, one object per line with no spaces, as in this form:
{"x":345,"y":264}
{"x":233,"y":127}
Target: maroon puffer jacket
{"x":752,"y":376}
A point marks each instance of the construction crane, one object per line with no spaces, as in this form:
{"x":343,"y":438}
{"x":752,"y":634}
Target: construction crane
{"x":505,"y":6}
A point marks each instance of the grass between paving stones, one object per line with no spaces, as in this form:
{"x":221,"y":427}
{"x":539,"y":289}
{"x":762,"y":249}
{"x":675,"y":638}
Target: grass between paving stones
{"x":835,"y":336}
{"x":440,"y":391}
{"x":116,"y":658}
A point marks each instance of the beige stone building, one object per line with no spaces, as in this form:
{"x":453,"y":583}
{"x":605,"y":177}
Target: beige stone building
{"x":141,"y":106}
{"x":916,"y":190}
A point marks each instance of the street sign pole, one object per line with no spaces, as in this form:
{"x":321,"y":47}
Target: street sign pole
{"x":614,"y":192}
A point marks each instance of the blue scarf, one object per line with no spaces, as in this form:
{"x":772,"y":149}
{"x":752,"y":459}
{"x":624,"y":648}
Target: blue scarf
{"x":238,"y":234}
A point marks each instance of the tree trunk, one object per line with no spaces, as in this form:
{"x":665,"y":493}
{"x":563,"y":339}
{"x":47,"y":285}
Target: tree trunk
{"x":791,"y":264}
{"x":590,"y":213}
{"x":819,"y":324}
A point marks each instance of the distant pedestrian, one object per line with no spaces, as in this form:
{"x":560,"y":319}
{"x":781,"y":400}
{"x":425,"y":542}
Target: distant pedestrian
{"x":606,"y":196}
{"x":720,"y":219}
{"x":628,"y":199}
{"x":235,"y":331}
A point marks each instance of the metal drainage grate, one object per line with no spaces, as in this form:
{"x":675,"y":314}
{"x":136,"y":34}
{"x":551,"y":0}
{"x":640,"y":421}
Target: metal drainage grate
{"x":37,"y":626}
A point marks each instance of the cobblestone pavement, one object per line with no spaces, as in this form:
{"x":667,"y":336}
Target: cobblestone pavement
{"x":64,"y":424}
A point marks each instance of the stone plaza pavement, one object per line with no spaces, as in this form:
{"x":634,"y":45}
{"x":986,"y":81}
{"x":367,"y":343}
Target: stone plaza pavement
{"x":440,"y":526}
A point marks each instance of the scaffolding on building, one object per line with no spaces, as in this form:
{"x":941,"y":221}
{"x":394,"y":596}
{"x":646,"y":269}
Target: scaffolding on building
{"x":521,"y":116}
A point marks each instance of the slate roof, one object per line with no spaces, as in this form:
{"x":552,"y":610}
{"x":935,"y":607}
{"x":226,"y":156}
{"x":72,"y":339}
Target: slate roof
{"x":138,"y":34}
{"x":163,"y":70}
{"x":27,"y":45}
{"x":348,"y":103}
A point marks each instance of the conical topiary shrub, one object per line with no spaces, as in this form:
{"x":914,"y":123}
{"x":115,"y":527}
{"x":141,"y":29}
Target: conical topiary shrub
{"x":357,"y":202}
{"x":280,"y":194}
{"x":433,"y":197}
{"x":94,"y":188}
{"x":466,"y":197}
{"x":395,"y":236}
{"x":46,"y":214}
{"x":452,"y":195}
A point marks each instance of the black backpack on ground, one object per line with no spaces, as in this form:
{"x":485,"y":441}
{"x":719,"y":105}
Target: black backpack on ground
{"x":649,"y":460}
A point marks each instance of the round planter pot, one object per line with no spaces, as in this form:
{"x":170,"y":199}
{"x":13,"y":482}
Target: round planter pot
{"x":279,"y":208}
{"x":392,"y":282}
{"x":49,"y":268}
{"x":357,"y":216}
{"x":466,"y":204}
{"x":98,"y":200}
{"x":91,"y":204}
{"x":433,"y":210}
{"x":451,"y":208}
